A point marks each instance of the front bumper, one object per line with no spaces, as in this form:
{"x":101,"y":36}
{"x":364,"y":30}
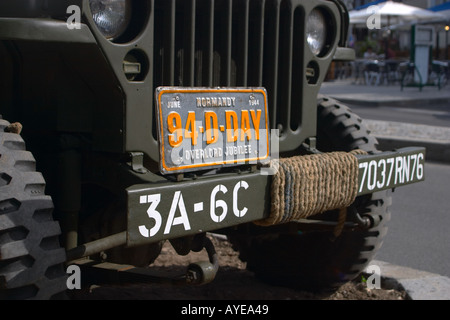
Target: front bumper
{"x":176,"y":209}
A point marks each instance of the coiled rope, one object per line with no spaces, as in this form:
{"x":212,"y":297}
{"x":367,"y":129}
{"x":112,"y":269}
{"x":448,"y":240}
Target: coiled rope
{"x":311,"y":184}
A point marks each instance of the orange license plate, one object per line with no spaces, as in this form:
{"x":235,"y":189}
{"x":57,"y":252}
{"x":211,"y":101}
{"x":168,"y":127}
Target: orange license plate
{"x":201,"y":128}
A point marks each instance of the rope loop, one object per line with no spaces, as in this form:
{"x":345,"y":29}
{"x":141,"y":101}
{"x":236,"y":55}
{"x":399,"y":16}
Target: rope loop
{"x":311,"y":184}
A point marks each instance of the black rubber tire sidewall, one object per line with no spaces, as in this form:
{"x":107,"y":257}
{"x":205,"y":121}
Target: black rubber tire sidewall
{"x":316,"y":260}
{"x":31,"y":259}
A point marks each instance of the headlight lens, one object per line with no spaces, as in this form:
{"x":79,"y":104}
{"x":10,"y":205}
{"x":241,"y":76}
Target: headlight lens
{"x":316,"y":31}
{"x":111,"y":16}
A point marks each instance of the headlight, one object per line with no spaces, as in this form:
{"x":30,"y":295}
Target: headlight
{"x":316,"y":31}
{"x":111,"y":16}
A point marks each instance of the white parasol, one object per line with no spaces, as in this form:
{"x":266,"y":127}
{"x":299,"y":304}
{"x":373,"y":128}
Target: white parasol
{"x":390,"y":12}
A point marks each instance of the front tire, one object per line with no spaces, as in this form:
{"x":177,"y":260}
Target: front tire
{"x":316,"y":259}
{"x":31,"y":259}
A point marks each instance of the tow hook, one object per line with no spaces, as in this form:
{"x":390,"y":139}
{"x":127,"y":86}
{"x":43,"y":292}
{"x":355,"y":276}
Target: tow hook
{"x":364,"y":221}
{"x":204,"y":271}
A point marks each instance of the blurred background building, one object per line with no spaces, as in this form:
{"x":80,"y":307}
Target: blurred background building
{"x":399,"y":36}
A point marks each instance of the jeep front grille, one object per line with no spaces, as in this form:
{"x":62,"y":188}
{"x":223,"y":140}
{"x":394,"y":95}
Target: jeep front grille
{"x":234,"y":43}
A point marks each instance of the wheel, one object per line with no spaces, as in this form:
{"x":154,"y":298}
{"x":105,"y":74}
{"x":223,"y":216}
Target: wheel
{"x":315,"y":259}
{"x":31,"y":259}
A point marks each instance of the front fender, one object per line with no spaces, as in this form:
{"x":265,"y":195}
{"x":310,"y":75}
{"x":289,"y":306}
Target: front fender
{"x":36,"y":8}
{"x":43,"y":29}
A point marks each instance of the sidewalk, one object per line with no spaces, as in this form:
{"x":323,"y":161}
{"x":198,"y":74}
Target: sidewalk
{"x":347,"y":92}
{"x":419,"y":285}
{"x":392,"y":135}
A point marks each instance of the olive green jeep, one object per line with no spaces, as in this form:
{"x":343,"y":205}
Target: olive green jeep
{"x":154,"y":120}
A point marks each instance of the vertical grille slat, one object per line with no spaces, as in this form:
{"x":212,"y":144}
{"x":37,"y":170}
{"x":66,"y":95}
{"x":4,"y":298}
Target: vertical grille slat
{"x":224,"y":41}
{"x":256,"y":46}
{"x":285,"y":62}
{"x":204,"y":43}
{"x":297,"y":65}
{"x":271,"y":50}
{"x":168,"y":74}
{"x":241,"y":48}
{"x":189,"y":44}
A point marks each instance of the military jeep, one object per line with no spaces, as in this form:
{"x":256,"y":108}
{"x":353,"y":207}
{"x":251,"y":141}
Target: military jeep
{"x":128,"y":123}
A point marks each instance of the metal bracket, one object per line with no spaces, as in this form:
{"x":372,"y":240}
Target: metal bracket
{"x":137,"y":162}
{"x":105,"y":272}
{"x":310,"y":145}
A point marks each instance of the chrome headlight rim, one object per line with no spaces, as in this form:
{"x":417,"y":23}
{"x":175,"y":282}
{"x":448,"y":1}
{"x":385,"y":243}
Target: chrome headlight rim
{"x":111,"y":17}
{"x":316,"y":31}
{"x":319,"y":31}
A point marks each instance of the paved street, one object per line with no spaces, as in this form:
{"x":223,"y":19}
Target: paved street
{"x":418,"y":235}
{"x":434,"y":115}
{"x":384,"y":95}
